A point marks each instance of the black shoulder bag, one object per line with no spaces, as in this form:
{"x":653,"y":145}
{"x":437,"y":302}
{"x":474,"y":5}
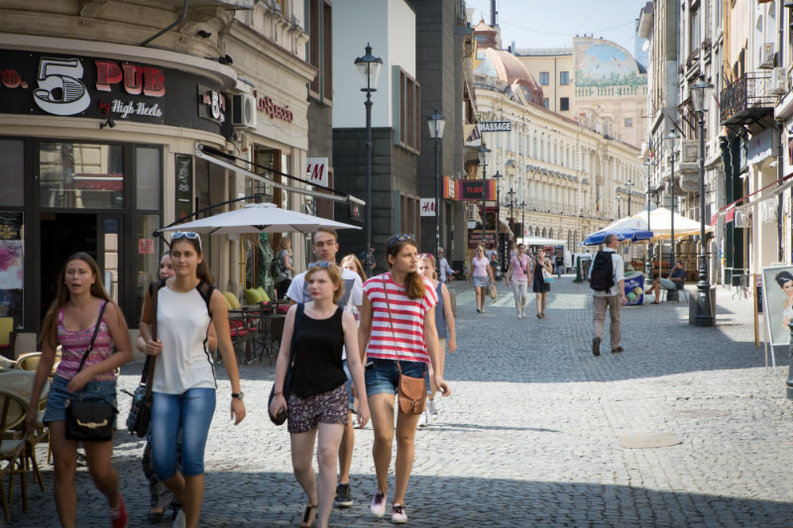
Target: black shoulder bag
{"x":90,"y":419}
{"x":280,"y":418}
{"x":140,"y":410}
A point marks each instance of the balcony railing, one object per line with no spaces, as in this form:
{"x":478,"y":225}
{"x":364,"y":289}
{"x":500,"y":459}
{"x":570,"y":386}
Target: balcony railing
{"x":747,"y":99}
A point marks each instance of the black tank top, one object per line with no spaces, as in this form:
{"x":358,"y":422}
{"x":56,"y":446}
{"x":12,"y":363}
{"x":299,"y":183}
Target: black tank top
{"x":318,"y":348}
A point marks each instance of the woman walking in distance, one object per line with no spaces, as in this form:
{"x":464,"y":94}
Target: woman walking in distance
{"x":397,"y":333}
{"x":481,"y":277}
{"x":539,"y":286}
{"x":184,"y":382}
{"x":519,"y":270}
{"x":71,"y":322}
{"x":444,"y":324}
{"x":317,"y":401}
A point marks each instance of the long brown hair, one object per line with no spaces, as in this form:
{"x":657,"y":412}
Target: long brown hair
{"x":202,"y":271}
{"x":414,"y":283}
{"x":357,"y":263}
{"x":49,"y":327}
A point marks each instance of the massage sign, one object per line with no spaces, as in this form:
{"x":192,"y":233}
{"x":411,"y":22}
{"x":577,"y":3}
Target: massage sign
{"x":101,"y":88}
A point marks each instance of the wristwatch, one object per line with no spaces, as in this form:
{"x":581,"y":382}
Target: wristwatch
{"x":239,"y":395}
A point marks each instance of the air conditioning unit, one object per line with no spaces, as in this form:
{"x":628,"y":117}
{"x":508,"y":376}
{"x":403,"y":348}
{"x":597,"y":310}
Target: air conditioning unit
{"x":741,"y":220}
{"x":767,"y":56}
{"x":243,"y":112}
{"x":689,"y":151}
{"x":778,"y":81}
{"x":768,"y":211}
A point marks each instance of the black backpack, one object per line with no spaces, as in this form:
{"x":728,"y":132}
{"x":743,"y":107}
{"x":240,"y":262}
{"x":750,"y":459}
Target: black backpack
{"x":276,"y":269}
{"x":602,"y":276}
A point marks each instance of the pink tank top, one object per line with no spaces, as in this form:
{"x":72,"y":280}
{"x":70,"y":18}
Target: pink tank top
{"x":74,"y":344}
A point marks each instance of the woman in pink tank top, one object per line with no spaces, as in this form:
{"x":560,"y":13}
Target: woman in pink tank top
{"x":70,"y":322}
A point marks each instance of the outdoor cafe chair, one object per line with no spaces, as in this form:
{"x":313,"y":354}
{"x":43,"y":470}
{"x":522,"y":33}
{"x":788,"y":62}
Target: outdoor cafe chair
{"x":13,"y":409}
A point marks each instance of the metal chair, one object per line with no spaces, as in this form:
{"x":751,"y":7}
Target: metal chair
{"x":13,"y":409}
{"x":29,"y":361}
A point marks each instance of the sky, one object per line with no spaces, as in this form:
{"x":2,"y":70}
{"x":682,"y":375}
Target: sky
{"x":554,"y":23}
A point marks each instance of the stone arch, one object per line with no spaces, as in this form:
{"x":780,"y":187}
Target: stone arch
{"x":550,"y":233}
{"x":543,"y":232}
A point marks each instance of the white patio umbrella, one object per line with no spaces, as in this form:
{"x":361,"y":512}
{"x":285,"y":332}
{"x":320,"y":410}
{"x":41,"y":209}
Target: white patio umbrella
{"x":259,"y":218}
{"x":660,"y":223}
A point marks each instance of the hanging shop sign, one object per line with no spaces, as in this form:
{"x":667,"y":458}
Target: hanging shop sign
{"x":96,"y":87}
{"x":495,"y":126}
{"x":474,"y":189}
{"x":427,"y":207}
{"x":317,"y":171}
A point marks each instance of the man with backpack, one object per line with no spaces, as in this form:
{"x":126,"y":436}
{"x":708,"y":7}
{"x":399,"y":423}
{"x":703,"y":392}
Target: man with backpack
{"x":606,"y":278}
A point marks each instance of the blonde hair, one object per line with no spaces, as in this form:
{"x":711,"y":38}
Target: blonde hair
{"x":357,"y":263}
{"x":431,"y":258}
{"x":284,"y":241}
{"x":334,"y":273}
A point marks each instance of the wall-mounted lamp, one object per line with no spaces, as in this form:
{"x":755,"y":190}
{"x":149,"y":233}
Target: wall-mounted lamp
{"x":108,"y":123}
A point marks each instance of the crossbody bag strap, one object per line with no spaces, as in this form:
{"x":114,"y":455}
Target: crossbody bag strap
{"x":298,"y":316}
{"x":93,"y":337}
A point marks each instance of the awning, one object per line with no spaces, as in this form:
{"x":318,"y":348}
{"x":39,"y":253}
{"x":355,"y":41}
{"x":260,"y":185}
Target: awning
{"x":730,"y":209}
{"x":328,"y":195}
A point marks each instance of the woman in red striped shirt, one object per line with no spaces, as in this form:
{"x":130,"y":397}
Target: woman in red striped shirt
{"x":397,"y":332}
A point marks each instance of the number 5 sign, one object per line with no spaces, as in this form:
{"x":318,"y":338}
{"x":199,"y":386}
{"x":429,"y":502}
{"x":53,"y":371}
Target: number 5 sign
{"x":317,"y":171}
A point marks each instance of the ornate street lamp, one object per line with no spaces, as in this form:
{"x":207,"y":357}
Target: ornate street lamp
{"x":369,"y":69}
{"x":498,"y":177}
{"x":704,"y":313}
{"x":648,"y":266}
{"x":672,"y":138}
{"x":482,"y":152}
{"x":436,"y":123}
{"x":523,"y":205}
{"x":619,"y":206}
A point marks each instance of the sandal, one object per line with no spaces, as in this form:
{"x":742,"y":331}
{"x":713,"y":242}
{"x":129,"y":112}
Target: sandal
{"x":307,"y":516}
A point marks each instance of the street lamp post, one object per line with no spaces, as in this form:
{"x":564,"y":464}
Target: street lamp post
{"x":522,"y":218}
{"x":436,"y":123}
{"x":482,"y":152}
{"x":648,"y":266}
{"x":619,"y":206}
{"x":629,"y":185}
{"x":498,"y":177}
{"x":369,"y":69}
{"x":672,"y":138}
{"x":704,"y":314}
{"x":511,"y":194}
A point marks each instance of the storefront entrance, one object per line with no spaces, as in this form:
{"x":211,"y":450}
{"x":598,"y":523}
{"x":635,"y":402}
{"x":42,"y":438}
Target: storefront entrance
{"x":63,"y":234}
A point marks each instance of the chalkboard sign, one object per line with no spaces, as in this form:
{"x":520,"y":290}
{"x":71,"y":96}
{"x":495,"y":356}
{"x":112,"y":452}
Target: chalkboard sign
{"x":184,"y":185}
{"x":758,"y":293}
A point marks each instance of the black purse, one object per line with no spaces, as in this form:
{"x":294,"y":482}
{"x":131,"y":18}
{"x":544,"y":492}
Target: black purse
{"x":280,"y":418}
{"x":90,"y":419}
{"x":140,"y":410}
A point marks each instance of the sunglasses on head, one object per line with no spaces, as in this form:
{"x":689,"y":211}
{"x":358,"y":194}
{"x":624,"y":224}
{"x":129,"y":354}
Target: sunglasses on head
{"x":399,"y":238}
{"x":321,"y":264}
{"x":425,"y":255}
{"x":189,"y":235}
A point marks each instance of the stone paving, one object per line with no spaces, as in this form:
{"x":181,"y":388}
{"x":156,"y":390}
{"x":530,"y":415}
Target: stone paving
{"x":533,"y":434}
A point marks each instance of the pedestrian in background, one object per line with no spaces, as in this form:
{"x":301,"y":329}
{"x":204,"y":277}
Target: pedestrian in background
{"x":284,"y":257}
{"x":368,"y":260}
{"x":444,"y":324}
{"x":481,"y":277}
{"x":446,"y":271}
{"x":559,"y":263}
{"x":606,"y":278}
{"x":81,"y":308}
{"x":519,"y":270}
{"x":325,"y":247}
{"x":538,"y":285}
{"x":317,"y":402}
{"x":184,"y":384}
{"x":398,"y":335}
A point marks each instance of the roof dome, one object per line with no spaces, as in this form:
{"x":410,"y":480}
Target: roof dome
{"x":508,"y":68}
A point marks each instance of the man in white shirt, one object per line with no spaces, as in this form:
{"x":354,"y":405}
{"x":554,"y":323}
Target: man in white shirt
{"x":446,"y":271}
{"x":325,"y":246}
{"x":611,"y":299}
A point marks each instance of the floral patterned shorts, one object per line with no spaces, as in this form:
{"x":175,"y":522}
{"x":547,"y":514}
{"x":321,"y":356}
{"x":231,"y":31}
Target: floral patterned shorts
{"x":326,"y":407}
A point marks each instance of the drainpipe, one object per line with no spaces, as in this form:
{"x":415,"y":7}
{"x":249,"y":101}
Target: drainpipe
{"x":780,"y":169}
{"x":170,"y":27}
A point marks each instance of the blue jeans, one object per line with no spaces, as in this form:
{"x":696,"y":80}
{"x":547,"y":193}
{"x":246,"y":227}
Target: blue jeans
{"x":383,"y":377}
{"x":191,"y":412}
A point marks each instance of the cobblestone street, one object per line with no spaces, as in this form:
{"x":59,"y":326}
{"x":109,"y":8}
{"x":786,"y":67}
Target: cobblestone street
{"x":536,"y":433}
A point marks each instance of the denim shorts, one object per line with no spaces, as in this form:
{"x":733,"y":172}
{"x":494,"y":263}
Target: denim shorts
{"x":383,"y":376}
{"x":57,"y":396}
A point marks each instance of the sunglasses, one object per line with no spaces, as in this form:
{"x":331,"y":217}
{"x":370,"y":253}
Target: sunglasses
{"x":399,"y":238}
{"x":425,"y":255}
{"x":191,"y":235}
{"x":321,"y":264}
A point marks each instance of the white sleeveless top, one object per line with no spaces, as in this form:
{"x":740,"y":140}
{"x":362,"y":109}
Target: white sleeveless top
{"x":182,"y":324}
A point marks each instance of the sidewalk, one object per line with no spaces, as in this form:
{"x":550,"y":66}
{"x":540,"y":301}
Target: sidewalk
{"x":538,"y":432}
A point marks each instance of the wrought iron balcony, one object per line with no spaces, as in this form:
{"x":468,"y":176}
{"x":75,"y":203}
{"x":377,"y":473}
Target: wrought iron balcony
{"x":748,"y":100}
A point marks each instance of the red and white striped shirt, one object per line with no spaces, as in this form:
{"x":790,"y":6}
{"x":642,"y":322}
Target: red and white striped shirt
{"x":406,"y":341}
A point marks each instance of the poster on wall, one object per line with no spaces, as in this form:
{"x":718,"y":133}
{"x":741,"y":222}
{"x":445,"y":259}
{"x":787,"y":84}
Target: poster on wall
{"x":12,"y":262}
{"x":184,"y":185}
{"x":778,"y":302}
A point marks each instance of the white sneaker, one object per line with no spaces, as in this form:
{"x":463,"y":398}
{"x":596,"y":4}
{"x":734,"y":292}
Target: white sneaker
{"x":398,"y":514}
{"x":432,"y":410}
{"x":424,"y":419}
{"x":179,"y":521}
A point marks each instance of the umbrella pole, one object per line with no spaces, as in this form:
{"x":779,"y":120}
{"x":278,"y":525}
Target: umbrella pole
{"x":242,"y":264}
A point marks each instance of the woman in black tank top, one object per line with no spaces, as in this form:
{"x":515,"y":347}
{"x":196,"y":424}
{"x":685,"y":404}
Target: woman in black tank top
{"x":317,"y":397}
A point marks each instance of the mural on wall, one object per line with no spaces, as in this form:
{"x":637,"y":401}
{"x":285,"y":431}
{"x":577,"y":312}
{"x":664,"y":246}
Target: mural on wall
{"x":603,"y":63}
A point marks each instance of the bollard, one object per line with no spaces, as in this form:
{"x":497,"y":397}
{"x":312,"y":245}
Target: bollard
{"x":789,"y":381}
{"x":578,"y":270}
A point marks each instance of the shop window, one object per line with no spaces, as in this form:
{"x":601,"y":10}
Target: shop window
{"x":149,"y":174}
{"x":12,"y":169}
{"x":12,"y":265}
{"x":81,"y":176}
{"x":149,"y":252}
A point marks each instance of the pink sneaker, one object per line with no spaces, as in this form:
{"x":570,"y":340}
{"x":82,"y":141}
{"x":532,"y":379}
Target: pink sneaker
{"x":119,"y":515}
{"x":377,"y":507}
